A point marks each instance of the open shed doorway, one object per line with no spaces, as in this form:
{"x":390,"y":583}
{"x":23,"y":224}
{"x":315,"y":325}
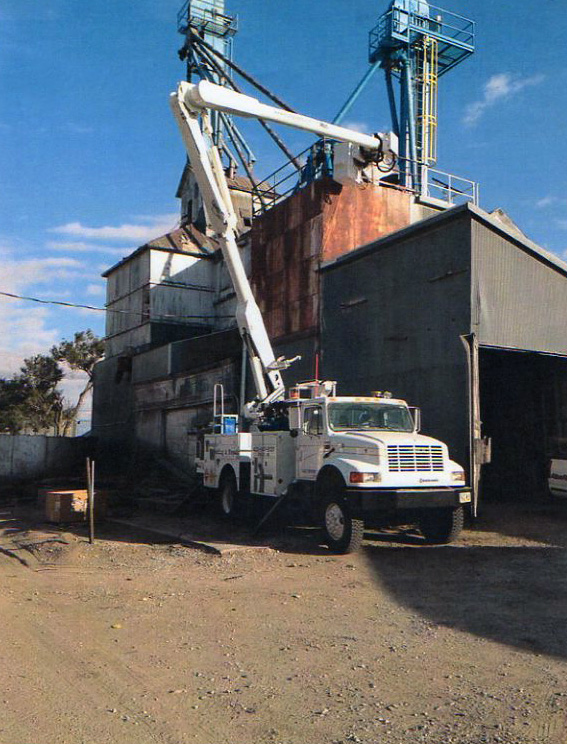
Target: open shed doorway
{"x":523,"y":409}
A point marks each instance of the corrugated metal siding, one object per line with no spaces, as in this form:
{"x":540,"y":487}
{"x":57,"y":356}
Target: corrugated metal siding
{"x":519,"y":301}
{"x":155,"y":291}
{"x":392,"y":320}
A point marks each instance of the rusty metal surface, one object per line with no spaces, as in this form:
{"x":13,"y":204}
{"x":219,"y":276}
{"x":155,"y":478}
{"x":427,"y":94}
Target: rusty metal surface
{"x":360,"y":214}
{"x":318,"y":223}
{"x":284,"y":262}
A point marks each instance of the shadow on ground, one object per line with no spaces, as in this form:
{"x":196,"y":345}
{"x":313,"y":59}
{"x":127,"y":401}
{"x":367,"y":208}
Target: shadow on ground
{"x":511,"y":593}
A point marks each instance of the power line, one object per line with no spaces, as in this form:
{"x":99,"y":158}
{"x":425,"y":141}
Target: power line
{"x":111,"y":310}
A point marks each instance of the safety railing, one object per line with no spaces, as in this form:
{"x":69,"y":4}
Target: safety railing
{"x":204,"y":15}
{"x":432,"y":183}
{"x":411,"y":176}
{"x":315,"y":161}
{"x":406,"y":24}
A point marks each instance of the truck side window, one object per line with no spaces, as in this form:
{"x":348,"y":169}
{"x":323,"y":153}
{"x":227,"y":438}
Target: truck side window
{"x":314,"y":420}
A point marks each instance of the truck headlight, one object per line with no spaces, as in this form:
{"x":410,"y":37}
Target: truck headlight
{"x":365,"y":477}
{"x":458,"y":475}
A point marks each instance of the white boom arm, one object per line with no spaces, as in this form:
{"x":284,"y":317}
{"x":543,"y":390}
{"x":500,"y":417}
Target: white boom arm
{"x":209,"y":173}
{"x":206,"y":95}
{"x":188,"y":104}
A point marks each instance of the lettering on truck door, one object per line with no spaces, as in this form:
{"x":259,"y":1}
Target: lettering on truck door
{"x":310,"y":443}
{"x":264,"y":465}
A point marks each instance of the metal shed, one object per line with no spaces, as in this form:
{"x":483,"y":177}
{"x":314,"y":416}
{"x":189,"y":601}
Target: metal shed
{"x":465,"y":317}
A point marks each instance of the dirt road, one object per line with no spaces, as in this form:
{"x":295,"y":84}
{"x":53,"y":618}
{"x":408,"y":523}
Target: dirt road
{"x":128,"y":641}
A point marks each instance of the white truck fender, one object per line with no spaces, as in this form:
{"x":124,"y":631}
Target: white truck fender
{"x":347,"y":465}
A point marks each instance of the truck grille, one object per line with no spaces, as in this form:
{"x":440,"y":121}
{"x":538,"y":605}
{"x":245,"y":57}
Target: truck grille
{"x":405,"y":458}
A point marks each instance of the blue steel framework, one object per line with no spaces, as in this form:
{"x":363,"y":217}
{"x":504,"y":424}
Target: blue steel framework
{"x":413,"y":41}
{"x":317,"y":161}
{"x":417,"y":43}
{"x":207,"y":19}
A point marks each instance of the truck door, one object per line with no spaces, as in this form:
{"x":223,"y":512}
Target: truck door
{"x":310,"y":443}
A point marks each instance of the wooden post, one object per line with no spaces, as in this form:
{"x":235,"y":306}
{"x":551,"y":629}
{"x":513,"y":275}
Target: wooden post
{"x":91,"y":497}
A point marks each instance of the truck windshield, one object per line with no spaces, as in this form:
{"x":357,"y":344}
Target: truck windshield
{"x":369,"y":416}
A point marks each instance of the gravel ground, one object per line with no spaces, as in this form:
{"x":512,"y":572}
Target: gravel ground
{"x":131,"y":640}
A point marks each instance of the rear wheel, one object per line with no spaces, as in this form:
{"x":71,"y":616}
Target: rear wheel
{"x":227,"y":496}
{"x":441,"y":526}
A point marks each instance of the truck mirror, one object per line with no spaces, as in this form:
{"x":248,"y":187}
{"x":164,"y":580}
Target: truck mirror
{"x":416,"y":415}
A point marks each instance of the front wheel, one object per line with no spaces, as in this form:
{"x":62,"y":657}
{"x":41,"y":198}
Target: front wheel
{"x":343,"y":534}
{"x":442,"y":526}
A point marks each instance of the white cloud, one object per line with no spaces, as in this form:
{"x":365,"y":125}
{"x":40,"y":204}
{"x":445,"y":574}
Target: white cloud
{"x":24,"y":331}
{"x":498,"y":87}
{"x":26,"y":328}
{"x":357,"y":126}
{"x":17,"y":274}
{"x":550,"y":201}
{"x":95,"y":290}
{"x":148,"y":227}
{"x":81,"y":247}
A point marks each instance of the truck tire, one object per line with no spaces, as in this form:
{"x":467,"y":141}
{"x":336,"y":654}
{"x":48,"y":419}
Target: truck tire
{"x":342,"y":533}
{"x":442,"y":526}
{"x":227,"y":496}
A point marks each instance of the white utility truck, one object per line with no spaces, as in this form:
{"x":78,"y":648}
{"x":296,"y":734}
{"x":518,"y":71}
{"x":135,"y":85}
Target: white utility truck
{"x":349,"y":459}
{"x":557,"y":480}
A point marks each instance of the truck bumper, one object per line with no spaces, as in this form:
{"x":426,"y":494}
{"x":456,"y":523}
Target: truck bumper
{"x":369,"y":501}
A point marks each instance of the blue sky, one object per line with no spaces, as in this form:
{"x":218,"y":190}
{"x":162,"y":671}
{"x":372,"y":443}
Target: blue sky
{"x":91,"y":157}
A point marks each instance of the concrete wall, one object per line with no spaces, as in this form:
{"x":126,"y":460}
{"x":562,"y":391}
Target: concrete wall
{"x":24,"y":457}
{"x":112,"y":420}
{"x":168,"y":411}
{"x":157,"y":404}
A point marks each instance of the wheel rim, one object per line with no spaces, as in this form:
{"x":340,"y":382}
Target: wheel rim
{"x":227,"y":499}
{"x":335,"y":521}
